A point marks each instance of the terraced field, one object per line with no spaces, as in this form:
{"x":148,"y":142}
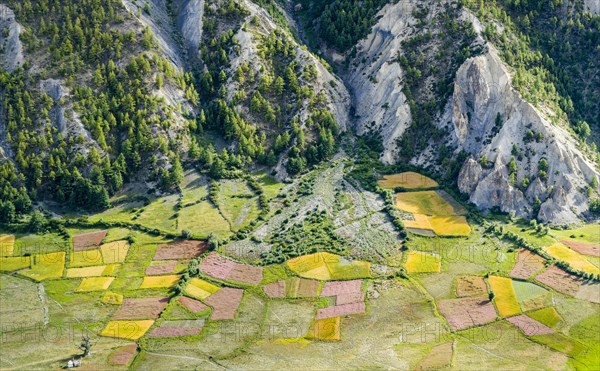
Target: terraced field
{"x":378,"y":302}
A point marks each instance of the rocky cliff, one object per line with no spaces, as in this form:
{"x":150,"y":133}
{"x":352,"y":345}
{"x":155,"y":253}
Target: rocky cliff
{"x":485,"y":117}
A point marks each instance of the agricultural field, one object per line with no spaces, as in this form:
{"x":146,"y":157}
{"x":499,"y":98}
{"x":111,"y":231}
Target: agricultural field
{"x":433,"y":213}
{"x":407,"y":180}
{"x":352,"y":294}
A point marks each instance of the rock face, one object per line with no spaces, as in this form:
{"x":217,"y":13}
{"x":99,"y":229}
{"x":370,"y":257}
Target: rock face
{"x":489,"y":118}
{"x":188,"y":20}
{"x":11,"y":49}
{"x":375,"y":78}
{"x":593,"y":6}
{"x":485,"y":116}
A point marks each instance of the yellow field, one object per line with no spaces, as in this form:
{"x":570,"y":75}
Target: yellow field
{"x":114,"y":252}
{"x":132,"y":330}
{"x":576,"y":260}
{"x":111,"y":269}
{"x":112,"y":298}
{"x":157,"y":282}
{"x":46,"y":266}
{"x":324,"y":266}
{"x":86,"y":258}
{"x":7,"y":244}
{"x":14,"y":263}
{"x":421,"y":222}
{"x":450,"y":226}
{"x":428,"y":203}
{"x":504,"y":296}
{"x":408,"y":180}
{"x":325,"y":329}
{"x":94,"y":284}
{"x":200,"y":289}
{"x":96,"y":271}
{"x":420,"y":262}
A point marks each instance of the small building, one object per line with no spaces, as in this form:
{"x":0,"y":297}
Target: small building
{"x":298,"y":7}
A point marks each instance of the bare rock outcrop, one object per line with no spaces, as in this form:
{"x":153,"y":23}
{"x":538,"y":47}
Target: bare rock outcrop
{"x":11,"y":48}
{"x":490,"y":120}
{"x":375,"y":78}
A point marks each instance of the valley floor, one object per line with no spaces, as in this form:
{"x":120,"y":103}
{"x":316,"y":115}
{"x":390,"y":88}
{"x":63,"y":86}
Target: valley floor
{"x":319,"y":279}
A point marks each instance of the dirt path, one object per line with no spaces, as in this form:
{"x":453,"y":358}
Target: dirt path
{"x":41,"y":291}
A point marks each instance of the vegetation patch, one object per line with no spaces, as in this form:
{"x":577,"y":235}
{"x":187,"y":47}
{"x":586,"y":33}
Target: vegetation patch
{"x":563,"y":253}
{"x":156,"y":282}
{"x":178,"y":328}
{"x":181,"y":249}
{"x":560,"y":280}
{"x":421,"y":262}
{"x":470,"y":286}
{"x":548,"y":316}
{"x":7,"y":245}
{"x":504,"y":296}
{"x":96,"y":271}
{"x":131,"y":330}
{"x":407,"y":180}
{"x":87,"y":241}
{"x":436,"y":203}
{"x":301,"y":288}
{"x":86,"y":258}
{"x":112,"y":298}
{"x":202,"y":219}
{"x":45,"y":266}
{"x":141,"y":308}
{"x":14,"y":263}
{"x":530,"y":296}
{"x":325,"y":266}
{"x":341,"y":310}
{"x":200,"y":289}
{"x":467,"y":312}
{"x":94,"y":284}
{"x":439,"y":357}
{"x":530,"y":326}
{"x":225,"y":303}
{"x":327,"y":329}
{"x":114,"y":252}
{"x":220,"y":267}
{"x":527,"y":264}
{"x":193,"y":305}
{"x":561,"y":343}
{"x":583,"y":248}
{"x":123,"y":356}
{"x":275,"y":289}
{"x":160,"y":268}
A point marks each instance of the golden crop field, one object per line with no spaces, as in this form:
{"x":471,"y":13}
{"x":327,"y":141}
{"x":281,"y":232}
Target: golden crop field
{"x":325,"y":329}
{"x":420,"y":262}
{"x":46,"y":266}
{"x":421,"y":222}
{"x":7,"y":244}
{"x":155,"y":282}
{"x":576,"y":260}
{"x":94,"y":284}
{"x":325,"y":266}
{"x":132,"y":330}
{"x":95,"y":271}
{"x":454,"y":226}
{"x":114,"y":252}
{"x":14,"y":263}
{"x":436,"y":203}
{"x":408,"y":180}
{"x":200,"y":289}
{"x":504,"y":296}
